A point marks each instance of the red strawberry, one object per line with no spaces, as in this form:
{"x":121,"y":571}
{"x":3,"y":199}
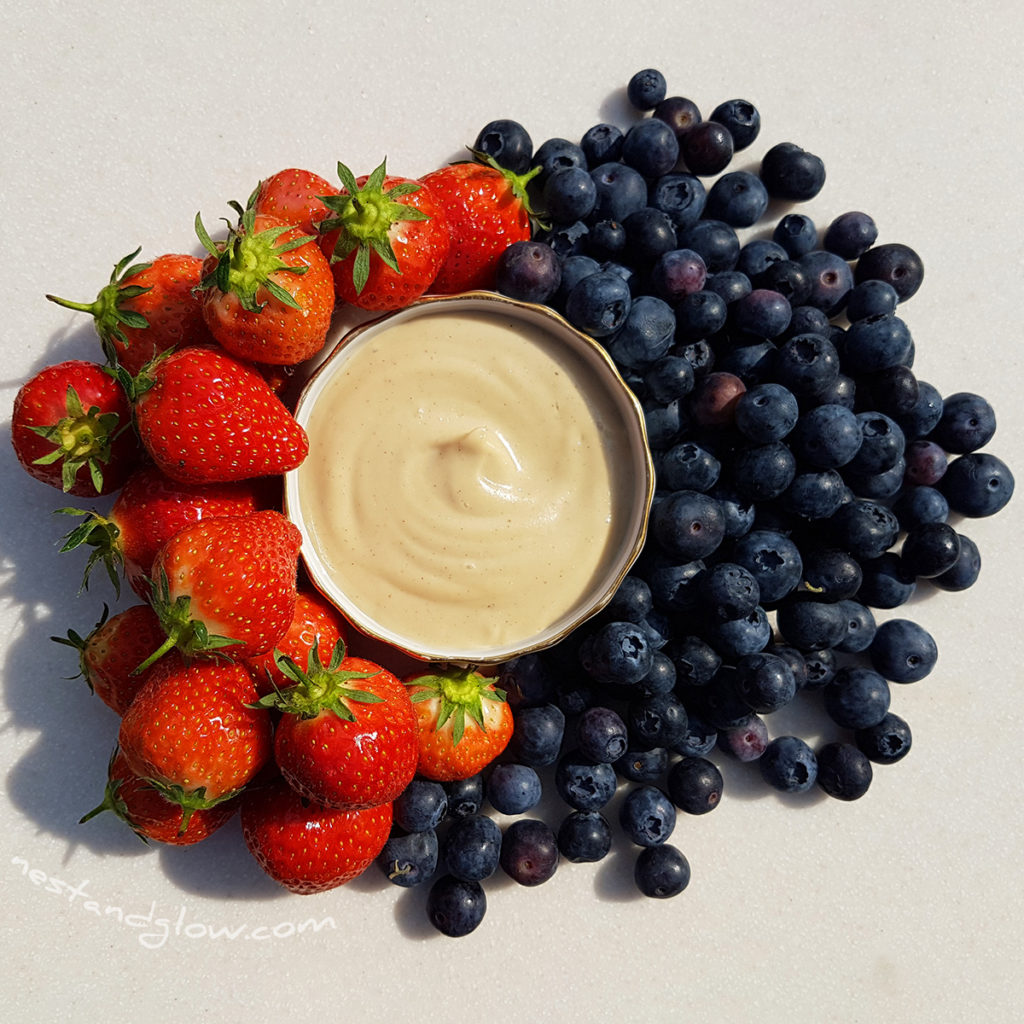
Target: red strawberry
{"x":205,"y":417}
{"x":150,"y":815}
{"x":269,"y":294}
{"x":71,"y":428}
{"x":193,"y":734}
{"x":110,"y":654}
{"x":487,"y":210}
{"x":347,"y":737}
{"x":150,"y":509}
{"x":147,"y":308}
{"x":386,"y":238}
{"x":308,"y":848}
{"x":316,"y":621}
{"x":294,"y":196}
{"x":227,"y":585}
{"x":463,"y":720}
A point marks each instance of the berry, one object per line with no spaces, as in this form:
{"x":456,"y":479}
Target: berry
{"x":661,"y":872}
{"x":790,"y":172}
{"x":471,"y":848}
{"x":529,"y":852}
{"x":409,"y":860}
{"x":788,"y":764}
{"x":903,"y":651}
{"x":694,"y":784}
{"x":507,"y":142}
{"x":454,"y":907}
{"x":646,"y":89}
{"x":513,"y":788}
{"x":584,"y":837}
{"x":647,"y":816}
{"x":844,"y":771}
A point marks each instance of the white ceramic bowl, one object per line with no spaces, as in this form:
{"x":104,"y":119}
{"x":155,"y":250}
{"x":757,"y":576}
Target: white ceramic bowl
{"x":632,"y":473}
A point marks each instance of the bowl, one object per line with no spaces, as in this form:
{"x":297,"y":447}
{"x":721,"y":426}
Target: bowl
{"x":478,"y":481}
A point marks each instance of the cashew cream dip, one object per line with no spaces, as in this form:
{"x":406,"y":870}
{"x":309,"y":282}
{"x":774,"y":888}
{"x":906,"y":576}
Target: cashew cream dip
{"x":465,"y":485}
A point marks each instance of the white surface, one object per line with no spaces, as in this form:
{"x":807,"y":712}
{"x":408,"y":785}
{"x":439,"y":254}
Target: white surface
{"x":121,"y":122}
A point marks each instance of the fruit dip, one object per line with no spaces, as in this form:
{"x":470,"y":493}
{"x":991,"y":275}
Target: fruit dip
{"x":477,"y":478}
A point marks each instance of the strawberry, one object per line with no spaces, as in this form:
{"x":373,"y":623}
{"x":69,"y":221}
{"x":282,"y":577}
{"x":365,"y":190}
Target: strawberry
{"x":193,"y":734}
{"x":227,"y":585}
{"x":149,"y":510}
{"x":316,"y":621}
{"x":308,"y":848}
{"x":152,"y":816}
{"x":146,"y":308}
{"x":71,"y":428}
{"x":487,"y":210}
{"x":295,"y":197}
{"x":386,"y":237}
{"x":463,"y":723}
{"x":110,"y":654}
{"x":347,"y":737}
{"x":206,"y":417}
{"x":268,"y":290}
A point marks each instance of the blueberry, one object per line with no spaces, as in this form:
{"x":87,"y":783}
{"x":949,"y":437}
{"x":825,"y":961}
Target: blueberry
{"x":790,"y":172}
{"x":815,"y":494}
{"x":930,"y":549}
{"x":967,"y":423}
{"x":878,"y":486}
{"x":895,"y":264}
{"x":508,"y":142}
{"x":695,"y":785}
{"x":850,"y":235}
{"x":796,"y":233}
{"x":606,"y":240}
{"x":470,"y":848}
{"x":822,"y":666}
{"x":651,"y":147}
{"x":584,"y":784}
{"x":574,"y":269}
{"x":679,"y":113}
{"x":893,"y":390}
{"x":598,"y":304}
{"x":696,"y":661}
{"x":584,"y":837}
{"x":646,"y":334}
{"x":739,"y":198}
{"x":773,"y":559}
{"x":706,"y":148}
{"x":876,"y":343}
{"x":681,"y":196}
{"x":672,"y":583}
{"x":766,"y":412}
{"x":621,"y":190}
{"x":860,"y":626}
{"x":714,"y":398}
{"x":977,"y":484}
{"x":528,"y":271}
{"x":642,"y":764}
{"x":746,"y":740}
{"x":659,"y":720}
{"x":569,"y":195}
{"x":714,"y":241}
{"x":965,"y":571}
{"x":762,"y":472}
{"x":788,"y":764}
{"x":809,"y":624}
{"x":617,"y":653}
{"x":831,"y":280}
{"x":745,"y":635}
{"x":903,"y":651}
{"x":601,"y":143}
{"x":556,"y":155}
{"x":741,"y":118}
{"x":649,"y":234}
{"x":688,"y":525}
{"x":646,"y":89}
{"x":669,"y":378}
{"x":807,"y":320}
{"x":601,"y":734}
{"x":700,"y":315}
{"x":885,"y":583}
{"x":807,"y":364}
{"x":728,"y":591}
{"x":765,"y":681}
{"x":886,"y":742}
{"x":865,"y":528}
{"x":882,"y":444}
{"x":827,"y":436}
{"x":732,"y":285}
{"x":764,"y":312}
{"x":739,"y":514}
{"x":454,"y":907}
{"x":409,"y":860}
{"x":565,"y":239}
{"x":526,"y":680}
{"x":857,"y":698}
{"x":631,"y":601}
{"x":758,"y":255}
{"x":661,"y":872}
{"x":662,"y":677}
{"x":844,"y":772}
{"x":871,"y":298}
{"x":421,"y":806}
{"x":920,"y":504}
{"x":788,"y":279}
{"x":647,"y":816}
{"x":529,"y":851}
{"x":927,"y":411}
{"x":465,"y":796}
{"x":513,"y":788}
{"x":926,"y":463}
{"x":537,"y":735}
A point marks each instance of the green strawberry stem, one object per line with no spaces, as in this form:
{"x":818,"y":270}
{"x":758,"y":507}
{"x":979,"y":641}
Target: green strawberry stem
{"x":189,"y":800}
{"x":80,"y":643}
{"x":102,"y":535}
{"x":461,"y":693}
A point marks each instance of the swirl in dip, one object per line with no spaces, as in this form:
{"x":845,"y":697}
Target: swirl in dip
{"x":463,"y":488}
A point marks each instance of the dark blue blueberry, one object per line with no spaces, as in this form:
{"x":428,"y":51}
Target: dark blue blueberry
{"x":920,"y":504}
{"x":688,"y":525}
{"x":719,"y":703}
{"x":677,"y":273}
{"x":763,"y":312}
{"x":926,"y":463}
{"x":584,"y":837}
{"x":601,"y":734}
{"x":649,"y":234}
{"x":930,"y":549}
{"x":827,"y":436}
{"x":728,"y":591}
{"x":737,"y":637}
{"x":646,"y":334}
{"x":794,"y":659}
{"x":831,"y":280}
{"x":822,"y":666}
{"x":565,"y":239}
{"x":844,"y":772}
{"x":739,"y":198}
{"x":964,"y":573}
{"x":679,"y":113}
{"x":599,"y":304}
{"x":896,"y":264}
{"x":584,"y":784}
{"x":765,"y":681}
{"x":752,"y":363}
{"x":860,"y":626}
{"x":528,"y":271}
{"x":513,"y":788}
{"x":878,"y":486}
{"x":647,"y":816}
{"x":746,"y":740}
{"x":715,"y":241}
{"x":807,"y":320}
{"x":700,"y":738}
{"x":696,"y":661}
{"x":643,"y":764}
{"x":465,"y":796}
{"x":885,"y":583}
{"x":797,"y":234}
{"x":773,"y":559}
{"x":624,"y":270}
{"x":574,"y":269}
{"x":842,"y":391}
{"x":809,"y":624}
{"x":865,"y":528}
{"x":871,"y":298}
{"x":631,"y":602}
{"x":695,"y":785}
{"x":455,"y":908}
{"x":977,"y":484}
{"x":471,"y":847}
{"x":601,"y":143}
{"x":876,"y":343}
{"x":766,"y":412}
{"x":618,"y":653}
{"x":807,"y":364}
{"x":886,"y":742}
{"x":659,"y":720}
{"x":856,"y":698}
{"x":815,"y":494}
{"x":903,"y":651}
{"x":968,"y":423}
{"x":529,"y":851}
{"x":882,"y":444}
{"x":661,"y":872}
{"x":706,"y":148}
{"x":651,"y":147}
{"x":681,"y":196}
{"x":663,"y":424}
{"x":742,"y":119}
{"x":789,"y":279}
{"x":646,"y":89}
{"x":927,"y":411}
{"x":850,"y":234}
{"x":569,"y":195}
{"x":526,"y":680}
{"x":788,"y":764}
{"x":700,"y":315}
{"x":739,"y":514}
{"x":732,"y":285}
{"x":606,"y":240}
{"x":894,"y":390}
{"x":621,"y":190}
{"x":556,"y":155}
{"x":757,"y":256}
{"x":537,"y":734}
{"x":672,"y":583}
{"x":662,"y":677}
{"x":422,"y":805}
{"x":669,"y":378}
{"x":508,"y":142}
{"x":790,"y":172}
{"x":409,"y":860}
{"x":762,"y":472}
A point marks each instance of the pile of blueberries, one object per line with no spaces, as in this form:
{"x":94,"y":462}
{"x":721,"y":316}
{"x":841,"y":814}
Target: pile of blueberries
{"x":806,"y":477}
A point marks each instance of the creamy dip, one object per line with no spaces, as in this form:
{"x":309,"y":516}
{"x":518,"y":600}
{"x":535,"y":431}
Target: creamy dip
{"x":460,"y":487}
